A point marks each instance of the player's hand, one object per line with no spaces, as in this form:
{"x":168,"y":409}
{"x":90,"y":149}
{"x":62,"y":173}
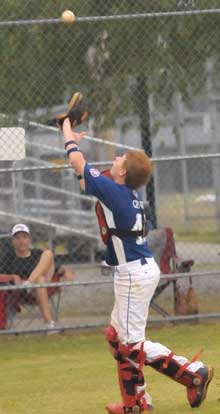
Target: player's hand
{"x":70,"y":134}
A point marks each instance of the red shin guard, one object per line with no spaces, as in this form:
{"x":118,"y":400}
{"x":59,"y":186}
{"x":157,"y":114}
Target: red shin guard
{"x":132,"y":387}
{"x":130,"y":359}
{"x":196,"y":383}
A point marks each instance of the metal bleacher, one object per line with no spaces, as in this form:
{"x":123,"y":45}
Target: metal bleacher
{"x":45,"y":194}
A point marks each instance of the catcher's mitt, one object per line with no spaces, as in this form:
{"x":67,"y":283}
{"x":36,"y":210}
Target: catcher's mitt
{"x":76,"y":112}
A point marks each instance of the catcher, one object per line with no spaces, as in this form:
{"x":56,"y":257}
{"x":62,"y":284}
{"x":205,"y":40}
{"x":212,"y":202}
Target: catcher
{"x":136,"y":276}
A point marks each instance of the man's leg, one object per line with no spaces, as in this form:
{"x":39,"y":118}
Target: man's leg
{"x":43,"y":301}
{"x":43,"y":273}
{"x":194,"y":375}
{"x":45,"y":268}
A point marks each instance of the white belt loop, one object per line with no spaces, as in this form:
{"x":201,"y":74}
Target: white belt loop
{"x":129,"y":266}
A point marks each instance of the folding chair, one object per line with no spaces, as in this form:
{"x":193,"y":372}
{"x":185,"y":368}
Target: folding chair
{"x":161,"y":242}
{"x":12,"y":302}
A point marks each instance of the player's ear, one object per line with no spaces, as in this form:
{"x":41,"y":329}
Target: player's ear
{"x":122,"y":172}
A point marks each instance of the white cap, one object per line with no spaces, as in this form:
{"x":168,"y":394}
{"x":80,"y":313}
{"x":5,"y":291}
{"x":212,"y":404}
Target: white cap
{"x":19,"y":227}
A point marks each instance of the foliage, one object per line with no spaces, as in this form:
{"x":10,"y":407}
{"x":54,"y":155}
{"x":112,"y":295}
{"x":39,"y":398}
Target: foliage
{"x":44,"y":63}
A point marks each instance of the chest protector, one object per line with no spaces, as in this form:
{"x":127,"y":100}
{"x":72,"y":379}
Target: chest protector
{"x":106,"y":232}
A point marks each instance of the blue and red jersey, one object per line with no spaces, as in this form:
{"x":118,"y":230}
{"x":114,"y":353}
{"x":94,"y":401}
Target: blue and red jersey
{"x":123,"y":209}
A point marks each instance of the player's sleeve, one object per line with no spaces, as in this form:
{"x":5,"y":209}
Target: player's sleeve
{"x":105,"y":189}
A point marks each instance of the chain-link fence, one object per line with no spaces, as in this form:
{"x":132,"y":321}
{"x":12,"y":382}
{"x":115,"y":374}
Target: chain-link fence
{"x":149,"y":71}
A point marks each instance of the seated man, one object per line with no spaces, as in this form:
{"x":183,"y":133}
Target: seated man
{"x":29,"y":266}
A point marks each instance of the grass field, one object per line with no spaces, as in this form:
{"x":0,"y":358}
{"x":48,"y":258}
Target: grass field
{"x":75,"y":374}
{"x":202,"y":225}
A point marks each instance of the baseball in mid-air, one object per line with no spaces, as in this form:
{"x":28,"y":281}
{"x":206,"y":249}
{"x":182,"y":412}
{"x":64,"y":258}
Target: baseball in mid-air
{"x":68,"y":17}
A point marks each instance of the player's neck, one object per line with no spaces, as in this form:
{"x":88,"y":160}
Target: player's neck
{"x":120,"y":180}
{"x":25,"y":253}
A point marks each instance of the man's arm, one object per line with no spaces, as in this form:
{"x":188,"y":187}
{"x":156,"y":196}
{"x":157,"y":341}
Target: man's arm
{"x":6,"y":277}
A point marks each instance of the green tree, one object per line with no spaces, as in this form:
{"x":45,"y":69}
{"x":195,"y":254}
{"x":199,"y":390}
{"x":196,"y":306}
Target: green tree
{"x":120,"y":64}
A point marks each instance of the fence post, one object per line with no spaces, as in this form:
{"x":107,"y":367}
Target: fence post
{"x":180,"y":120}
{"x":214,"y":140}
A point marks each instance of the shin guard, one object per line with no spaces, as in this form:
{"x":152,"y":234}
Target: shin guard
{"x":111,"y":337}
{"x":196,"y":383}
{"x":131,"y":379}
{"x":130,"y":359}
{"x":132,"y":387}
{"x":170,"y":367}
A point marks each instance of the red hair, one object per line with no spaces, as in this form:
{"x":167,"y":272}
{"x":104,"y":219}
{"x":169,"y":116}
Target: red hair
{"x":138,"y":169}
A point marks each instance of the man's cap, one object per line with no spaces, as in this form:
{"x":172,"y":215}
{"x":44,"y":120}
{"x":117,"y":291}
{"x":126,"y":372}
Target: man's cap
{"x":18,"y":228}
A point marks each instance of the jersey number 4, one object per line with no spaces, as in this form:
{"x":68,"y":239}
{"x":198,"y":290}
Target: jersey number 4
{"x":138,"y":226}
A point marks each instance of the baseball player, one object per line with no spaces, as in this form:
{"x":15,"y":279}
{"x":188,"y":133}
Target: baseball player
{"x":136,"y":276}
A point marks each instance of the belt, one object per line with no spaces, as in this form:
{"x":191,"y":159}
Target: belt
{"x":129,"y":265}
{"x":143,"y":261}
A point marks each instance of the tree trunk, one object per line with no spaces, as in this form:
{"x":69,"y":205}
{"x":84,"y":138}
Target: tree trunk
{"x":144,"y":115}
